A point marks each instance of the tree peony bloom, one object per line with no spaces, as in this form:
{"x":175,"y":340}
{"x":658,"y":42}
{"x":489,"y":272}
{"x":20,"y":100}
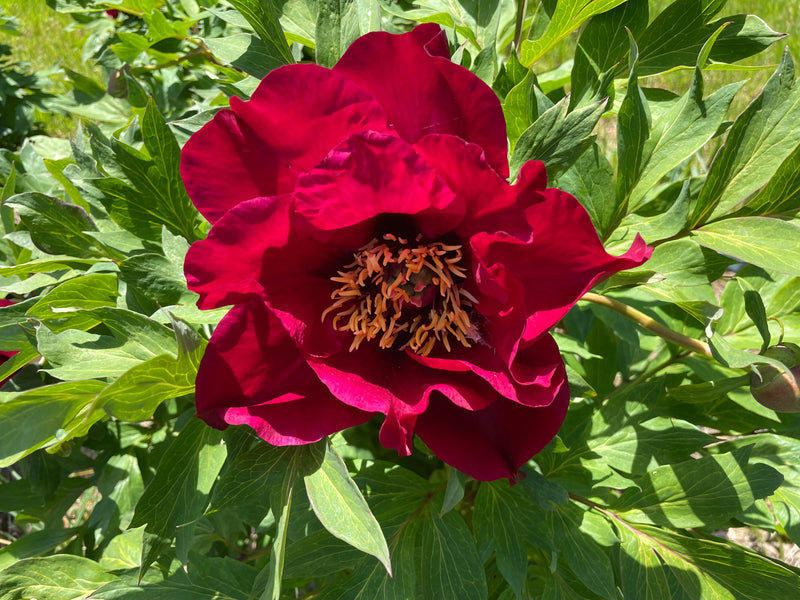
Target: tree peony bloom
{"x":378,"y":260}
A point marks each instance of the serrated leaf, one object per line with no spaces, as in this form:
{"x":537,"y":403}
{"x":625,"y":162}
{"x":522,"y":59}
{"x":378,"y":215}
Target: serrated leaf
{"x":341,"y":508}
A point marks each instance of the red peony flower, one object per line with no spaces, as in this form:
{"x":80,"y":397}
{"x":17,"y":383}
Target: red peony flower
{"x":379,"y":262}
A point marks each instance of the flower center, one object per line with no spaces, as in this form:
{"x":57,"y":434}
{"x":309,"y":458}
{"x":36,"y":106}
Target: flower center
{"x":404,"y":294}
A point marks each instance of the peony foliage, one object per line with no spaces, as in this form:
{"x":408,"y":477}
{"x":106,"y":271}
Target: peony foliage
{"x":355,"y":299}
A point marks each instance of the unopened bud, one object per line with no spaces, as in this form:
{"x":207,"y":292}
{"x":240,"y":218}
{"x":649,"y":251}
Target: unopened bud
{"x":775,"y":389}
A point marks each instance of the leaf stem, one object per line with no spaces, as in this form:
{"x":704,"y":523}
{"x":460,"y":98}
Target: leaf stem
{"x":649,"y":323}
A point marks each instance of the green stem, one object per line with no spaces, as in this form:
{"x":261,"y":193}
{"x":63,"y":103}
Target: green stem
{"x":649,"y":323}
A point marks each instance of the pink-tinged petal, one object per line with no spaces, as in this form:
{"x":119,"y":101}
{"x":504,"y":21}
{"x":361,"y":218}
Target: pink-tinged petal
{"x":226,"y":267}
{"x":373,"y":174}
{"x":252,"y":374}
{"x":494,"y":442}
{"x":424,"y":92}
{"x":374,"y":381}
{"x":536,"y":373}
{"x":565,"y":259}
{"x":297,"y":114}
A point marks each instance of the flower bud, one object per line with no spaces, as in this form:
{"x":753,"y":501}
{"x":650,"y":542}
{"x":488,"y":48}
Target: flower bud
{"x":778,"y":390}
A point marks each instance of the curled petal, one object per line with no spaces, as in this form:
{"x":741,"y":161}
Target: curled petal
{"x":297,"y":114}
{"x":424,"y":92}
{"x":564,"y":260}
{"x":373,"y":174}
{"x":365,"y":379}
{"x":252,"y":373}
{"x":493,"y":442}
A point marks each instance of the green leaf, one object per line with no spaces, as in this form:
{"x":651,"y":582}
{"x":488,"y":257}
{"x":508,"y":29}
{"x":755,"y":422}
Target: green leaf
{"x":781,"y":195}
{"x":140,"y":390}
{"x":451,"y":567}
{"x":336,"y":28}
{"x":281,"y":503}
{"x":175,"y":208}
{"x":766,"y":242}
{"x":41,"y":416}
{"x":557,"y":138}
{"x":520,"y":108}
{"x":68,"y":305}
{"x":56,"y":227}
{"x":263,"y":17}
{"x":681,"y":132}
{"x":341,"y":508}
{"x":641,"y":573}
{"x":499,"y":523}
{"x":247,"y":480}
{"x":633,"y":131}
{"x":157,"y":277}
{"x":568,"y":16}
{"x":677,"y":34}
{"x":705,"y":492}
{"x":177,"y":495}
{"x":761,"y":138}
{"x":454,"y":492}
{"x":80,"y":355}
{"x":591,"y":181}
{"x":703,"y":568}
{"x":33,"y":544}
{"x":603,"y":44}
{"x":245,"y":51}
{"x":62,"y":577}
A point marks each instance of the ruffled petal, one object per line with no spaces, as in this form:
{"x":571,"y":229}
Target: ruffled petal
{"x":534,"y":376}
{"x":493,"y":442}
{"x":226,"y":267}
{"x":297,"y":114}
{"x":423,"y":92}
{"x":382,"y":381}
{"x":252,"y":374}
{"x":373,"y":174}
{"x":564,"y":260}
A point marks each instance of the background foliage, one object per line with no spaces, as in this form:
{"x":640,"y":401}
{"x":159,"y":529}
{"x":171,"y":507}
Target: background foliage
{"x":110,"y":490}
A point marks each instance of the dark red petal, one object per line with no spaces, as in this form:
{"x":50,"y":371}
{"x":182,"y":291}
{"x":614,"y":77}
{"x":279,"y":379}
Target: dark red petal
{"x":226,"y":267}
{"x":496,"y":441}
{"x":535,"y":372}
{"x":565,"y":259}
{"x":424,"y":92}
{"x":252,"y":374}
{"x":297,"y":114}
{"x":373,"y":174}
{"x":376,"y":380}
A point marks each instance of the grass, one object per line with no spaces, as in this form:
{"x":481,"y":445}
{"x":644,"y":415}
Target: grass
{"x":48,"y":38}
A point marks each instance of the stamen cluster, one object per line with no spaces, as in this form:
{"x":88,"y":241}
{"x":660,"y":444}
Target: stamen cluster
{"x":394,"y":291}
